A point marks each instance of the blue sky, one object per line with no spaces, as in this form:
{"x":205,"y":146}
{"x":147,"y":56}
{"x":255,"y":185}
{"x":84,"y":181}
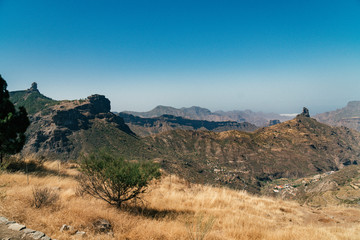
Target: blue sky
{"x":271,"y":56}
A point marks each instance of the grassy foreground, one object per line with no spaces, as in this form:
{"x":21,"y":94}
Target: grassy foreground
{"x":173,"y":209}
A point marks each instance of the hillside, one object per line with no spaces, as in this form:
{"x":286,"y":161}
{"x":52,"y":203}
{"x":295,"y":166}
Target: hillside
{"x":293,"y":149}
{"x":330,"y":188}
{"x":348,"y":116}
{"x":31,"y":99}
{"x":173,"y":209}
{"x":73,"y":127}
{"x":198,"y":113}
{"x":149,"y":126}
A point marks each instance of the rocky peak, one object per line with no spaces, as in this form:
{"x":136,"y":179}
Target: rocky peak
{"x":33,"y":87}
{"x":305,"y":112}
{"x":100,"y":104}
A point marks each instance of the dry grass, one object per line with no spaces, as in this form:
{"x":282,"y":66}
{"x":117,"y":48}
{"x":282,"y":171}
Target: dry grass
{"x":168,"y":209}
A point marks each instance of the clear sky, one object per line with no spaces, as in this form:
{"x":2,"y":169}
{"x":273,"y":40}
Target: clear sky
{"x":270,"y":55}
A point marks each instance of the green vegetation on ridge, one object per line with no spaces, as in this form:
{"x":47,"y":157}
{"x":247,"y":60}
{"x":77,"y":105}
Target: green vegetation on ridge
{"x":32,"y":100}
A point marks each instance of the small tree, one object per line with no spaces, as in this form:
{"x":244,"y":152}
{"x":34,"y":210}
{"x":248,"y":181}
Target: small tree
{"x":13,"y":124}
{"x":115,"y":180}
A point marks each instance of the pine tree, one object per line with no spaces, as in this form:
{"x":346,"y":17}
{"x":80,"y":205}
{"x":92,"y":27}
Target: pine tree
{"x":13,"y":124}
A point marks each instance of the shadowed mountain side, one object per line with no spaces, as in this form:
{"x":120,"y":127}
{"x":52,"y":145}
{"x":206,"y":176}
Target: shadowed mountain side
{"x":348,"y":116}
{"x":148,"y":126}
{"x":198,"y":113}
{"x":296,"y":148}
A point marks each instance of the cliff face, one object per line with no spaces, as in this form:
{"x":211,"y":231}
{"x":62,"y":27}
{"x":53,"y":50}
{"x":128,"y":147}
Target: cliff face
{"x":53,"y":129}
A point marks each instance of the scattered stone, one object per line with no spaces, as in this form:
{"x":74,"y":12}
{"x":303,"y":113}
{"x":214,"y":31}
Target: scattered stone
{"x":66,"y":228}
{"x":37,"y":235}
{"x":102,"y":225}
{"x":16,"y":227}
{"x":3,"y":220}
{"x":28,"y":231}
{"x":10,"y":222}
{"x":80,"y":233}
{"x":45,"y":238}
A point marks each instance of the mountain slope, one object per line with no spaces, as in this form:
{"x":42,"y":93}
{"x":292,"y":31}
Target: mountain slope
{"x":73,"y":127}
{"x":31,"y":99}
{"x":348,"y":116}
{"x":149,"y":126}
{"x":331,"y":188}
{"x":292,"y":149}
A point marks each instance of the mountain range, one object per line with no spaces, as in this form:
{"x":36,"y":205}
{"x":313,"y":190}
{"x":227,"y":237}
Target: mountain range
{"x":243,"y":160}
{"x":198,"y":113}
{"x":148,"y":126}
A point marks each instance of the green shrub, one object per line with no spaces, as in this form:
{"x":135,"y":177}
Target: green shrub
{"x":113,"y":179}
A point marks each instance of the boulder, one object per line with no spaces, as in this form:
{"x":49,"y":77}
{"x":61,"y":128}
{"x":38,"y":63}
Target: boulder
{"x":16,"y":227}
{"x":102,"y":226}
{"x":274,"y":122}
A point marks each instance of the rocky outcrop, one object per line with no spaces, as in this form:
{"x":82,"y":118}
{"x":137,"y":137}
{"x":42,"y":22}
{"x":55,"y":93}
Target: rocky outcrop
{"x":52,"y":129}
{"x":305,"y":112}
{"x":33,"y":87}
{"x":274,"y":122}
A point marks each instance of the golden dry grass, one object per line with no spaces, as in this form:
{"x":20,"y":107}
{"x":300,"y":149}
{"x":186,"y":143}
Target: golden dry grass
{"x":171,"y":210}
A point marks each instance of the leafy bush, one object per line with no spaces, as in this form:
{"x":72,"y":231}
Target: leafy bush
{"x":44,"y":196}
{"x":113,"y":179}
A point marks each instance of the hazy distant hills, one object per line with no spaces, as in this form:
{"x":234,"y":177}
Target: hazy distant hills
{"x":148,"y":126}
{"x":198,"y":113}
{"x":348,"y":116}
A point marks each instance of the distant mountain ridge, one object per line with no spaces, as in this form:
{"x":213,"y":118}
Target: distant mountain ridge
{"x":198,"y":113}
{"x":31,"y":99}
{"x":349,"y":116}
{"x":148,"y":126}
